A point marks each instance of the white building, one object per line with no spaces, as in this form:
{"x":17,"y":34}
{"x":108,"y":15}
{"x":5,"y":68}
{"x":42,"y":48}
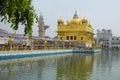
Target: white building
{"x":17,"y":38}
{"x":104,"y":37}
{"x":3,"y":37}
{"x":115,"y":42}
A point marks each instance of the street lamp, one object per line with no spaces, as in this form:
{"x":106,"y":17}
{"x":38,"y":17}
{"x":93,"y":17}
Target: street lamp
{"x":10,"y":42}
{"x":45,"y":43}
{"x":70,"y":45}
{"x":55,"y":44}
{"x":63,"y":43}
{"x":32,"y":42}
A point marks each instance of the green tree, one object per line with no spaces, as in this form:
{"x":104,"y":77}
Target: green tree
{"x":18,"y":12}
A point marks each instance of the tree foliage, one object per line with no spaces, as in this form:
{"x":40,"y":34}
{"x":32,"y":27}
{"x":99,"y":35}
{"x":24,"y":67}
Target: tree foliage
{"x":18,"y":12}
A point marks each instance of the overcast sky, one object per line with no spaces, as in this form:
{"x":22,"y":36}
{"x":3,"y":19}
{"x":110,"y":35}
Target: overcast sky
{"x":100,"y":13}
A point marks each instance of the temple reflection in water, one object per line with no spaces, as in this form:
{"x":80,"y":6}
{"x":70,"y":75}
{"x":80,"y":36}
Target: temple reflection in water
{"x":63,"y":67}
{"x":68,"y":67}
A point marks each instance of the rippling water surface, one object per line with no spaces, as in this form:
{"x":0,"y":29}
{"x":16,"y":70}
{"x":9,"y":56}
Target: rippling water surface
{"x":104,"y":65}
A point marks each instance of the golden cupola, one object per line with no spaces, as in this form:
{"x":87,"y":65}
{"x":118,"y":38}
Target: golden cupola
{"x":75,"y":19}
{"x":84,"y":21}
{"x":60,"y":22}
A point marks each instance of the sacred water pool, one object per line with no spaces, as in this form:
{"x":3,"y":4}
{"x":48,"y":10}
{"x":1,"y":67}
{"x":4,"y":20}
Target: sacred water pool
{"x":103,"y":65}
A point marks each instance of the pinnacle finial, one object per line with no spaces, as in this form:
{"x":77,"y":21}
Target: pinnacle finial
{"x":75,"y":15}
{"x":75,"y":11}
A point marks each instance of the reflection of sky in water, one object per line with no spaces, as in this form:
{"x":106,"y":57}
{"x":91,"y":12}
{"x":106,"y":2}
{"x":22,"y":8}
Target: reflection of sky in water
{"x":106,"y":66}
{"x":101,"y":66}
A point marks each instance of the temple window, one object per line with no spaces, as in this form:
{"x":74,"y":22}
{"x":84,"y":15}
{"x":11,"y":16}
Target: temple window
{"x":75,"y":38}
{"x":61,"y":38}
{"x":71,"y":37}
{"x":67,"y":37}
{"x":81,"y":38}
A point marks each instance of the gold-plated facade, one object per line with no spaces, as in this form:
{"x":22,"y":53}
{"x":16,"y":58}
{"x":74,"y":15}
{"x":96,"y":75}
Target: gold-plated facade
{"x":76,"y":30}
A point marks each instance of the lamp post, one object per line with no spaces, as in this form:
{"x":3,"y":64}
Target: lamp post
{"x":5,"y":43}
{"x":75,"y":45}
{"x":32,"y":42}
{"x":25,"y":44}
{"x":101,"y":45}
{"x":10,"y":42}
{"x":45,"y":43}
{"x":55,"y":44}
{"x":63,"y":43}
{"x":70,"y":45}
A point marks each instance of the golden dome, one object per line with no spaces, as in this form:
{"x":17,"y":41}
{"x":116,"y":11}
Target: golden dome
{"x":60,"y":20}
{"x":75,"y":21}
{"x":84,"y":20}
